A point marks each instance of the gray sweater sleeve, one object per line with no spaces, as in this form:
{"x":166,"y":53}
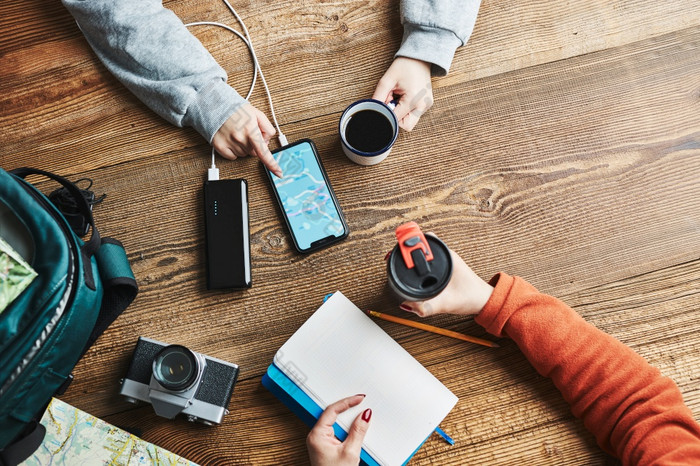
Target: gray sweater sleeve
{"x":434,"y":29}
{"x":152,"y":53}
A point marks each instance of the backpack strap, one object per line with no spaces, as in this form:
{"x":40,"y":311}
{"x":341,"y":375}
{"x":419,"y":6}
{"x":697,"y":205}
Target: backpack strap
{"x":91,"y":246}
{"x":118,"y":282}
{"x":24,"y":445}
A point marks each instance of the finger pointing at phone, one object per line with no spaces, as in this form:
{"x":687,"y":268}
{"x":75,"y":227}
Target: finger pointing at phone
{"x":247,"y":132}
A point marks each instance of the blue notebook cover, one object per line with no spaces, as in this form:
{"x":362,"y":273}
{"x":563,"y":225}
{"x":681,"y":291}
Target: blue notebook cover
{"x":305,"y":408}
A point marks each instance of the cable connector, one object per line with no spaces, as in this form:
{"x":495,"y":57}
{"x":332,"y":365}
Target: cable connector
{"x":282,"y":139}
{"x":213,"y":172}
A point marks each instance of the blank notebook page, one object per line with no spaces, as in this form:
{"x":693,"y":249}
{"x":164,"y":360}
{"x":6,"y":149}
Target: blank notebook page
{"x":339,"y":351}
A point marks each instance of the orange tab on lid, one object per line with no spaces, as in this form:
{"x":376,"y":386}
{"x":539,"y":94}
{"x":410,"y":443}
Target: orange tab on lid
{"x":410,"y":238}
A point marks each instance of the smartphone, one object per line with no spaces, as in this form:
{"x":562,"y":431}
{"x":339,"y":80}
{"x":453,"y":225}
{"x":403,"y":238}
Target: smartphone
{"x":305,"y":197}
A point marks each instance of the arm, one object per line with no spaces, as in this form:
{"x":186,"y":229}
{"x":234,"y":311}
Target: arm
{"x":433,"y":30}
{"x":633,"y":411}
{"x":152,"y":53}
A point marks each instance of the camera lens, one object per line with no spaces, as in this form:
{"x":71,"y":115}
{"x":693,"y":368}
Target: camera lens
{"x":175,"y":367}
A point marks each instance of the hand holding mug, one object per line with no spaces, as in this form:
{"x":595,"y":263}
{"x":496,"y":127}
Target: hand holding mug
{"x":408,"y":80}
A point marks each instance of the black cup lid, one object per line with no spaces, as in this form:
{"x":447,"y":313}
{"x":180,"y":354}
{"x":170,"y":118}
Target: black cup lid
{"x":420,"y":282}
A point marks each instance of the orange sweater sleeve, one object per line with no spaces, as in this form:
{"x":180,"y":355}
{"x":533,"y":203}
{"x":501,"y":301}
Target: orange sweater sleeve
{"x":634,"y":412}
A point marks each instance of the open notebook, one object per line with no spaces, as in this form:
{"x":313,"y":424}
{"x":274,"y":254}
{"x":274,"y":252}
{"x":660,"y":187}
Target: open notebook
{"x":339,"y":351}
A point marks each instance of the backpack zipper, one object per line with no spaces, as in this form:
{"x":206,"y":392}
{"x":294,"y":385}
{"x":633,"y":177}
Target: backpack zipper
{"x":68,"y":296}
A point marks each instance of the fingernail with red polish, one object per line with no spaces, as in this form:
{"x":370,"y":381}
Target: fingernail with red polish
{"x":367,"y":415}
{"x":387,"y":255}
{"x":406,"y":307}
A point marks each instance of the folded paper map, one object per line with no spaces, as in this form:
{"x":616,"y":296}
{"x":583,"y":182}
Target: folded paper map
{"x":75,"y":437}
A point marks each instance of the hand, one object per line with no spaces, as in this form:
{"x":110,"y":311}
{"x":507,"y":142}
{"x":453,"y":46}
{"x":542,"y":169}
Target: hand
{"x":325,"y":449}
{"x":409,"y":80}
{"x":465,"y":294}
{"x":247,"y":132}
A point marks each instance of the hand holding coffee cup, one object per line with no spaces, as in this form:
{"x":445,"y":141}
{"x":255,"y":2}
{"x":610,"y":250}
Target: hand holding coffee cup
{"x":430,"y":278}
{"x":368,"y":129}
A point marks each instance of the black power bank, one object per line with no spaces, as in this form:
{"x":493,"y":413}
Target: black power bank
{"x":227,"y":234}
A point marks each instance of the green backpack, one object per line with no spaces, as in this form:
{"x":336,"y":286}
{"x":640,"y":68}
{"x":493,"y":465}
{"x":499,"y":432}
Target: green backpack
{"x":79,"y":288}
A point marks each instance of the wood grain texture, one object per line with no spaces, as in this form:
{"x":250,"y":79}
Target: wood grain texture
{"x":564,"y":147}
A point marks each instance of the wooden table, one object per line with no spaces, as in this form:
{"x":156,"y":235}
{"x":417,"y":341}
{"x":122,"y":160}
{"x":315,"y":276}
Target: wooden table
{"x":564,"y":147}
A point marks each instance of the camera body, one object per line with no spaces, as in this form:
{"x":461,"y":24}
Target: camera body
{"x":176,"y":380}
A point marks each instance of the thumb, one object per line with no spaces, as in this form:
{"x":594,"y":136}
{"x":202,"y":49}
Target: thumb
{"x":384,"y":91}
{"x":358,"y":430}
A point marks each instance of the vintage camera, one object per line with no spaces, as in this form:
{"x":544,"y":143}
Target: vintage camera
{"x":176,"y":380}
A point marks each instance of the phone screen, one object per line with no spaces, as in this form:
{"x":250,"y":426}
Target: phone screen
{"x":307,"y":200}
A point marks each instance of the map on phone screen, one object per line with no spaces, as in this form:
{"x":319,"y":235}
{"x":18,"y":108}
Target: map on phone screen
{"x":303,"y":191}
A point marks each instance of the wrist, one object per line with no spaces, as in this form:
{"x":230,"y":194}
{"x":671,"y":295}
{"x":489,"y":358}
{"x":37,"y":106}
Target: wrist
{"x":414,"y":63}
{"x":211,"y":108}
{"x":482,"y":294}
{"x":476,"y":293}
{"x":434,"y":45}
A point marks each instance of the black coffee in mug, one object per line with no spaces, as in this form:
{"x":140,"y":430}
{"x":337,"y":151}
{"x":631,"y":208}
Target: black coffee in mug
{"x":369,"y":131}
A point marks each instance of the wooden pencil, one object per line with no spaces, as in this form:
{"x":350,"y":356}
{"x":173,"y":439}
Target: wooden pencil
{"x":430,"y":328}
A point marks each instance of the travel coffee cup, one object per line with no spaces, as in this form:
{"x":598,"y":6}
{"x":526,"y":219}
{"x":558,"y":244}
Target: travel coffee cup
{"x":419,"y":267}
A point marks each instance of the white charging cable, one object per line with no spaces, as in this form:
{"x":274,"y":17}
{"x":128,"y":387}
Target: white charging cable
{"x":213,"y":171}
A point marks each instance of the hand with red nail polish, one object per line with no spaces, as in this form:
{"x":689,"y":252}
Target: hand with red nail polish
{"x":324,"y":448}
{"x":466,"y":294}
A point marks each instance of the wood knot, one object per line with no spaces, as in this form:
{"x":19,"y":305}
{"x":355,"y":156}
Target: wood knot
{"x":275,"y":241}
{"x":343,"y":27}
{"x":550,"y":449}
{"x":484,"y":199}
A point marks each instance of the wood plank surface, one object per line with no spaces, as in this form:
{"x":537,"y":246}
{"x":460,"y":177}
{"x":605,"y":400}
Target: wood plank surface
{"x":564,"y":147}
